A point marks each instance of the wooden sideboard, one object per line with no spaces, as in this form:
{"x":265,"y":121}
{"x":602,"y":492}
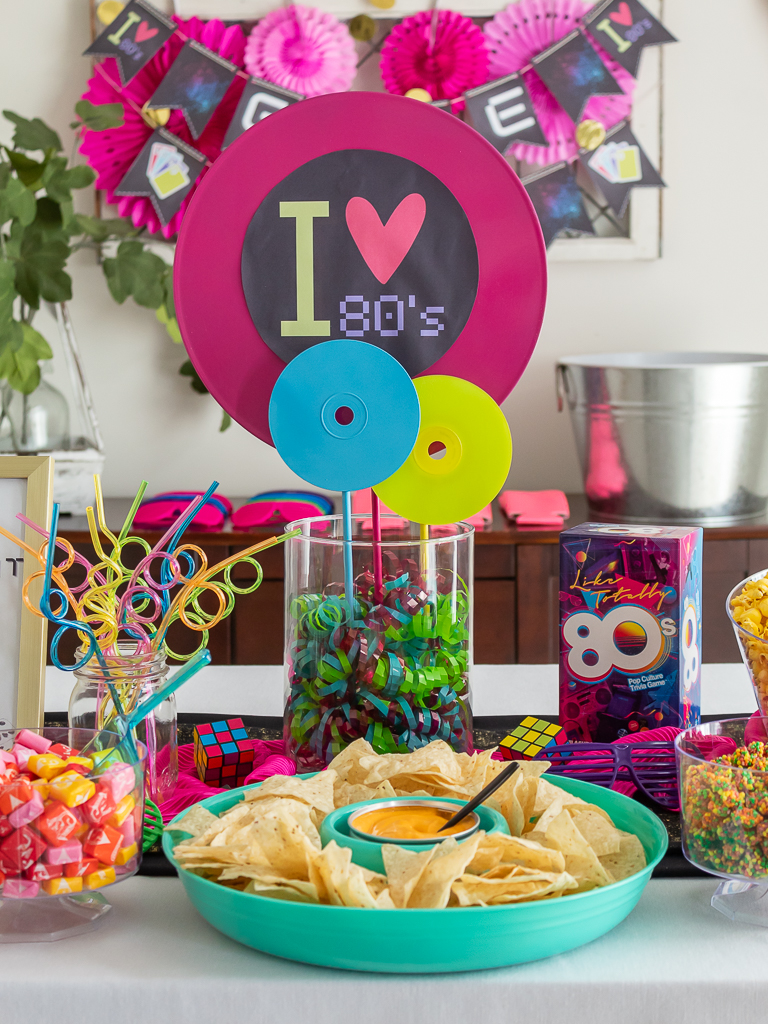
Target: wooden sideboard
{"x":516,"y":588}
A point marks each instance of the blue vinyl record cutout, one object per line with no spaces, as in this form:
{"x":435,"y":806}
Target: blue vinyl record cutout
{"x":344,"y":415}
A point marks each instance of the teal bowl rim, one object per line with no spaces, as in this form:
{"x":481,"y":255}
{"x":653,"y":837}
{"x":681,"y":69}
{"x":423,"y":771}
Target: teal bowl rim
{"x":293,"y":907}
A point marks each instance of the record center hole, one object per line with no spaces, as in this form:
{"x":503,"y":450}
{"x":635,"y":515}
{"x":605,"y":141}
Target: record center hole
{"x":344,"y":415}
{"x":437,"y":450}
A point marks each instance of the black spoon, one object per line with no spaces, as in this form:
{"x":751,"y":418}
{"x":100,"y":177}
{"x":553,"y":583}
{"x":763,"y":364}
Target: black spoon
{"x":482,"y":796}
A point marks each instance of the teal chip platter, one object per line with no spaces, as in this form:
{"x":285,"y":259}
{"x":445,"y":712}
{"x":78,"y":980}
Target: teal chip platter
{"x":430,"y":941}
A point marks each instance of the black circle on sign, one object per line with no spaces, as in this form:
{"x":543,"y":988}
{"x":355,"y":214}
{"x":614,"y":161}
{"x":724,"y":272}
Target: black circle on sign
{"x":415,"y":314}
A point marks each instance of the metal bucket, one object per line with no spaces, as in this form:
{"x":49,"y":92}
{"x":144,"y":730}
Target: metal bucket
{"x":670,"y":437}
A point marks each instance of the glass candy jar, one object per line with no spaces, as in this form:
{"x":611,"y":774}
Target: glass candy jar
{"x":132,"y":677}
{"x":393,"y":668}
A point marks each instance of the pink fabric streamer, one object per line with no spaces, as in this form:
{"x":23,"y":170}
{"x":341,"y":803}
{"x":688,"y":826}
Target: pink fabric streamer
{"x":269,"y":759}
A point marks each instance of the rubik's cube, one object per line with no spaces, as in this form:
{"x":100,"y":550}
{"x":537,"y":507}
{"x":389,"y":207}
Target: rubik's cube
{"x":223,"y":755}
{"x":531,"y":737}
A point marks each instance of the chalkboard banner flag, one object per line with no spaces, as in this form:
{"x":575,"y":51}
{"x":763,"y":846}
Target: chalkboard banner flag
{"x":624,"y":28}
{"x":558,"y":203}
{"x":133,"y":38}
{"x":196,"y":83}
{"x":573,"y":71}
{"x":164,"y":171}
{"x":620,"y":165}
{"x":503,"y":113}
{"x":259,"y":99}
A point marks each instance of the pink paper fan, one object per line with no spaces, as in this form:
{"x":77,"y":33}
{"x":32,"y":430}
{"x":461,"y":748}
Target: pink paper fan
{"x":456,"y":61}
{"x":303,"y":49}
{"x":517,"y":34}
{"x":110,"y":153}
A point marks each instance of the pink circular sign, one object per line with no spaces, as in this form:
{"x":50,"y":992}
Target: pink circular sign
{"x":358,"y":215}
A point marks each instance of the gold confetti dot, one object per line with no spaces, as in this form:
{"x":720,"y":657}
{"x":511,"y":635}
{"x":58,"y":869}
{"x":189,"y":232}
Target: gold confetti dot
{"x":155,"y":118}
{"x":590,"y":134}
{"x":383,"y":4}
{"x":108,"y":10}
{"x":419,"y":94}
{"x":362,"y":28}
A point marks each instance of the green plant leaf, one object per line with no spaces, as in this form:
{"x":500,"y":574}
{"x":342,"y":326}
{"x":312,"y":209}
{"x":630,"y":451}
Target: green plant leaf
{"x":59,"y":179}
{"x":170,"y":323}
{"x":137,"y":272}
{"x":19,"y":358}
{"x":17,"y":202}
{"x":114,"y":282}
{"x":188,"y":370}
{"x":48,"y":215}
{"x":40,"y":267}
{"x":169,"y":302}
{"x":100,"y":230}
{"x":80,"y":176}
{"x":11,"y":337}
{"x":36,"y":343}
{"x":32,"y":135}
{"x":98,"y":118}
{"x":226,"y":421}
{"x":7,"y":289}
{"x":28,"y":170}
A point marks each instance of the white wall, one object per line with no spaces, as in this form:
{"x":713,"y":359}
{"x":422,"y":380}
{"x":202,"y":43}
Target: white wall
{"x":707,"y":292}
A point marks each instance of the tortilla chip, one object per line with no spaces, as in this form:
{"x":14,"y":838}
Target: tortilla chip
{"x":499,"y":849}
{"x":347,"y":763}
{"x":339,"y":881}
{"x":348,"y":793}
{"x":546,"y":793}
{"x":629,"y":859}
{"x":300,"y":813}
{"x":317,"y":791}
{"x":435,"y":763}
{"x":518,"y":885}
{"x":404,"y":868}
{"x":448,"y":863}
{"x":601,"y":835}
{"x":279,"y":892}
{"x":195,"y":821}
{"x":284,"y":843}
{"x":580,"y":858}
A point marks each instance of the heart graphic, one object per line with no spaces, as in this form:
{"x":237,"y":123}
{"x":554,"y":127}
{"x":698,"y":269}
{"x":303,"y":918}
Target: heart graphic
{"x":623,"y":16}
{"x":385,"y":246}
{"x":144,"y":32}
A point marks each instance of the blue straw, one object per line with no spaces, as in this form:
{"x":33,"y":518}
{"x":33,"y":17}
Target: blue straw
{"x":165,"y":574}
{"x":349,"y":581}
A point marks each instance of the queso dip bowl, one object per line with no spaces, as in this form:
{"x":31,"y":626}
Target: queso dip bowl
{"x":429,"y":941}
{"x":366,"y":849}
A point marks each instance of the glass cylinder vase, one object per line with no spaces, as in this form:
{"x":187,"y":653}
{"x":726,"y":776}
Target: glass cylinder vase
{"x":392,"y":665}
{"x":131,"y":678}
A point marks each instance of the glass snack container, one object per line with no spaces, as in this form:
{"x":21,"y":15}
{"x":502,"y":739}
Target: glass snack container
{"x":749,"y":624}
{"x":135,"y":677}
{"x":71,"y":825}
{"x":723,"y":774}
{"x":393,"y":669}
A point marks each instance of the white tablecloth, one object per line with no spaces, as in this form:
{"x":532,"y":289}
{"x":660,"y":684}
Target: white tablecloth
{"x":673,"y":961}
{"x":497,"y":690}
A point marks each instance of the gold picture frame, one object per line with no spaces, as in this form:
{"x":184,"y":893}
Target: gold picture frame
{"x":35,"y":498}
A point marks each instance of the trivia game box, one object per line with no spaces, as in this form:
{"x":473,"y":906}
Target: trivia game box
{"x":630,"y":629}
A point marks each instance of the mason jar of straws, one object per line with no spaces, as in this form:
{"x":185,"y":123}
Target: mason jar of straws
{"x":390,"y":665}
{"x":133,"y":677}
